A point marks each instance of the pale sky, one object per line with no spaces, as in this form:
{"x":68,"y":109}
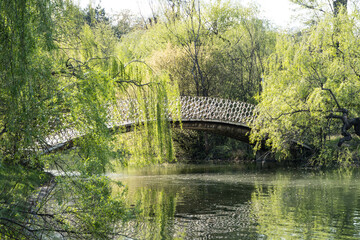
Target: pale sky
{"x":277,"y":11}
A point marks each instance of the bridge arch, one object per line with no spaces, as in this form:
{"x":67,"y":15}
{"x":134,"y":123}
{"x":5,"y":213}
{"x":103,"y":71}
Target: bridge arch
{"x":238,"y":132}
{"x":213,"y":115}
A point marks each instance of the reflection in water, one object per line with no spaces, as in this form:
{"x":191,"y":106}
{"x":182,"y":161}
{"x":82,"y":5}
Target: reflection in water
{"x":189,"y":206}
{"x":155,"y":206}
{"x":319,"y":207}
{"x":240,"y":204}
{"x":156,"y":217}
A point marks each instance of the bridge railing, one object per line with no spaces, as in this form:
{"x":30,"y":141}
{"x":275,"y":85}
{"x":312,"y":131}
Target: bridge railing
{"x":217,"y":109}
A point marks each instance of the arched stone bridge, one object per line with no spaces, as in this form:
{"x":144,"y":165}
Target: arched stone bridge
{"x":214,"y":115}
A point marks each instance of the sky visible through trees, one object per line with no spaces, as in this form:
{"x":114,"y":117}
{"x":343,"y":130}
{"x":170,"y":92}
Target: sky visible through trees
{"x":279,"y":12}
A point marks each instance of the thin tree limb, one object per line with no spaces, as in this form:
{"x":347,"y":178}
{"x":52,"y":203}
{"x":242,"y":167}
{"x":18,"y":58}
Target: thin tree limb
{"x":296,"y":111}
{"x":333,"y":96}
{"x":134,"y":82}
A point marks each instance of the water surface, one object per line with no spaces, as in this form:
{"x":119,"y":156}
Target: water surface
{"x":242,"y":202}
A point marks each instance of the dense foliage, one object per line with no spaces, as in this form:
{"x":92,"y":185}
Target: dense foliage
{"x":309,"y":77}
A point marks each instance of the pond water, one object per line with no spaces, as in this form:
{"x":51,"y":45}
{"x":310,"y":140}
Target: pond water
{"x":242,"y":202}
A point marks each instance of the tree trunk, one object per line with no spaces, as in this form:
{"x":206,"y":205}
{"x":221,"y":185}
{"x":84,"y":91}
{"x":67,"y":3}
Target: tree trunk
{"x":338,"y":4}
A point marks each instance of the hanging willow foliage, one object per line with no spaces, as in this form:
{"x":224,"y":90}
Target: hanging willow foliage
{"x":26,"y":83}
{"x":57,"y":73}
{"x":151,"y":141}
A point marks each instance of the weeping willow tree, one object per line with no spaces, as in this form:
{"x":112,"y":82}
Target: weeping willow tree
{"x":56,"y":73}
{"x":309,"y":79}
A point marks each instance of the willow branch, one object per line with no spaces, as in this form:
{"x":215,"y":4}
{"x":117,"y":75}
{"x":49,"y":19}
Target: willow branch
{"x":138,"y":61}
{"x":134,"y":61}
{"x":15,"y":223}
{"x":3,"y":131}
{"x":333,"y":96}
{"x":134,"y":82}
{"x":316,"y":8}
{"x":296,"y":111}
{"x":96,"y":58}
{"x":69,"y":65}
{"x":327,"y":89}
